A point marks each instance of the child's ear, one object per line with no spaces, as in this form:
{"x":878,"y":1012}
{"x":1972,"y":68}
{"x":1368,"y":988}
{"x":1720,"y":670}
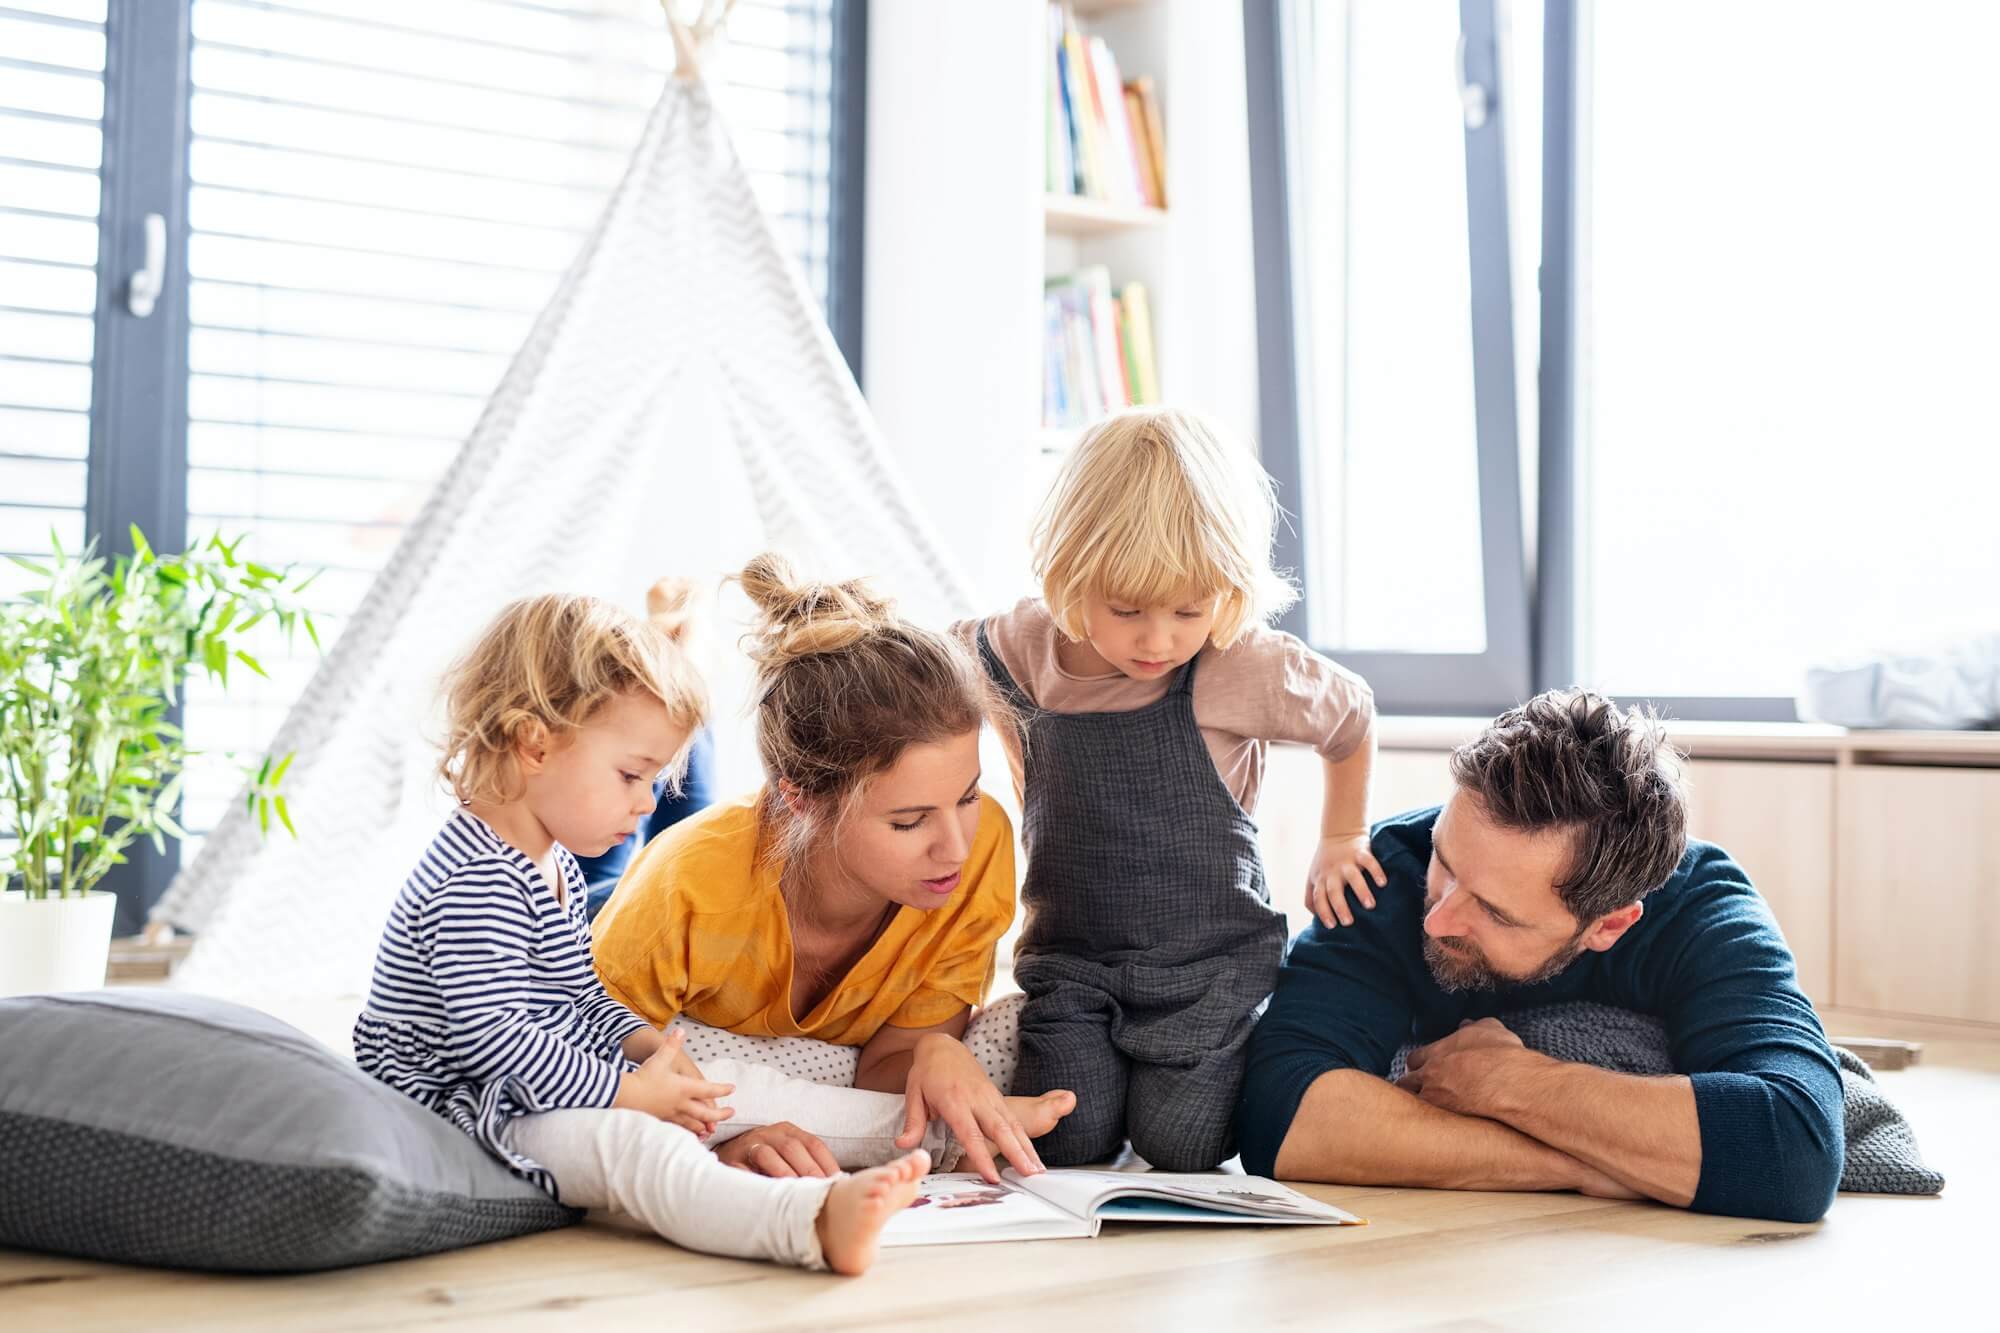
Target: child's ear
{"x":531,"y":746}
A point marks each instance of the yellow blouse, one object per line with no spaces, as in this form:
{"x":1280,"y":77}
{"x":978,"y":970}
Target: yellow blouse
{"x":697,"y":927}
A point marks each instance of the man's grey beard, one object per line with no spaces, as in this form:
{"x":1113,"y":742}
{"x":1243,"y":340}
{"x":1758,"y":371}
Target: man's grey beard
{"x":1469,"y":971}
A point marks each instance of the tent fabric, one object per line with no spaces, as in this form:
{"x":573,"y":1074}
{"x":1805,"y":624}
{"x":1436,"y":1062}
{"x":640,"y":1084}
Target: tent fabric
{"x":678,"y":407}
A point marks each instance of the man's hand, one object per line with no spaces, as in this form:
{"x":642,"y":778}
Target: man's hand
{"x":1467,"y":1072}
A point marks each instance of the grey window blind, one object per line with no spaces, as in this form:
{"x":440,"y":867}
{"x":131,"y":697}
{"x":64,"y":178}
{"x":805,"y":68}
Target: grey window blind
{"x":51,"y":105}
{"x":382,"y":197}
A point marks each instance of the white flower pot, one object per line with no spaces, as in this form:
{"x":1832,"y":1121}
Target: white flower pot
{"x":54,"y":943}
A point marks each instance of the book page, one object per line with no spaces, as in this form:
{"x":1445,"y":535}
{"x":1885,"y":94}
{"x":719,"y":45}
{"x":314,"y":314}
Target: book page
{"x":962,"y":1209}
{"x":1090,"y":1194}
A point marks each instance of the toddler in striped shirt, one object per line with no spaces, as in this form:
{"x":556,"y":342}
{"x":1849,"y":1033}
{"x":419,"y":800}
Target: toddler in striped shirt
{"x":484,"y":1005}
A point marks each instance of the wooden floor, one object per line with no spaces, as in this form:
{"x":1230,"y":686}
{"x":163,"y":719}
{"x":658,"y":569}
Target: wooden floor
{"x":1427,"y":1260}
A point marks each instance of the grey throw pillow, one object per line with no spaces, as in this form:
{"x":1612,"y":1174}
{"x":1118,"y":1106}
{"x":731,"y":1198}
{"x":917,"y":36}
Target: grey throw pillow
{"x":156,"y":1127}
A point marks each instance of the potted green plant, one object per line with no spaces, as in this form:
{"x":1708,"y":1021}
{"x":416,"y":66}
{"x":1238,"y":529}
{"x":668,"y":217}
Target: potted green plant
{"x":92,"y":660}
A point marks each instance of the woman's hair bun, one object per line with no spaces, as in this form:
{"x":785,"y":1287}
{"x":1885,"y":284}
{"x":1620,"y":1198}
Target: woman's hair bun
{"x":798,"y":618}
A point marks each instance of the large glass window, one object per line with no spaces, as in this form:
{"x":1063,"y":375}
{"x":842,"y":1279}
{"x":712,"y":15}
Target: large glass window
{"x":380,"y":198}
{"x":383,"y":198}
{"x":51,"y":142}
{"x":1386,"y":329}
{"x":1788,"y":447}
{"x":1764,"y":422}
{"x":1392,"y":394}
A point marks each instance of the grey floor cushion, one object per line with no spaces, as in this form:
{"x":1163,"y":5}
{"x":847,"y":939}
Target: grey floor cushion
{"x":156,"y":1127}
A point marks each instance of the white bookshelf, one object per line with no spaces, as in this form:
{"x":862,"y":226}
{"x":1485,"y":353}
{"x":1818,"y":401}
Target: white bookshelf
{"x":959,"y":216}
{"x":1074,"y":215}
{"x":1130,"y":240}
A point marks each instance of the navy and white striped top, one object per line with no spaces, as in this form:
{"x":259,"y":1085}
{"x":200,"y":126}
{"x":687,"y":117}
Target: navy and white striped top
{"x":484,"y":1005}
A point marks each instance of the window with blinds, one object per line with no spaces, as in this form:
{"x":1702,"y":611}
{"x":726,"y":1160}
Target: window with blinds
{"x":51,"y":105}
{"x":382,"y":197}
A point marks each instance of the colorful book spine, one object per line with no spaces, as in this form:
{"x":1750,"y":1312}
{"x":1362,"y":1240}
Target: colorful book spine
{"x":1142,"y":154}
{"x":1121,"y":169}
{"x":1062,"y":160}
{"x":1085,"y":119}
{"x":1137,"y":323}
{"x":1081,"y":345}
{"x":1056,"y":408}
{"x":1156,"y":138}
{"x":1104,"y":324}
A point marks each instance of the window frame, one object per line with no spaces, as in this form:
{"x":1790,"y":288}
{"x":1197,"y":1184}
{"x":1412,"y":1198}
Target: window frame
{"x":1531,"y":606}
{"x":1404,"y":682}
{"x":1565,"y":86}
{"x":137,"y":464}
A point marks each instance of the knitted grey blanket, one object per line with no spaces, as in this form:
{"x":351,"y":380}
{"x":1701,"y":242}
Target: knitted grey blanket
{"x":1882,"y":1156}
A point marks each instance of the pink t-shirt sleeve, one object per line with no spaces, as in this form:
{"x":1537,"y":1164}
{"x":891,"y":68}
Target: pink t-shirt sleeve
{"x":1270,"y":686}
{"x":1022,"y":637}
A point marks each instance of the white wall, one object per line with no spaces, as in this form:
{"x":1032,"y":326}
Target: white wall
{"x":951,"y":311}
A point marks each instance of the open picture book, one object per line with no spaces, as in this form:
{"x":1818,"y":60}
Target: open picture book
{"x":962,"y":1209}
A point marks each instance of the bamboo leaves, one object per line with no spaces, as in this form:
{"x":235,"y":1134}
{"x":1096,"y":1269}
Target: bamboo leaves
{"x":92,"y":660}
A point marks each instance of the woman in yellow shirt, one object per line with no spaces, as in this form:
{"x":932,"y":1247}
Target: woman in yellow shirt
{"x":857,"y":899}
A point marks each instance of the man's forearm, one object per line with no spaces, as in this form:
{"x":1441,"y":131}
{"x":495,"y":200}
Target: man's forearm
{"x":1642,"y":1132}
{"x":1355,"y":1129}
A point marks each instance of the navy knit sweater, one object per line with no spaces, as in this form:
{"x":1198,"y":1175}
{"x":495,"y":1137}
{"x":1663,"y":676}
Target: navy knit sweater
{"x":1706,"y":959}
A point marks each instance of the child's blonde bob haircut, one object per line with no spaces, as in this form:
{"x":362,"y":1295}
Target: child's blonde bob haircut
{"x":539,"y":671}
{"x":1153,"y":508}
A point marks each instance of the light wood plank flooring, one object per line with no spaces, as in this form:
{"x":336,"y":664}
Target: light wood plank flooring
{"x":1427,"y":1260}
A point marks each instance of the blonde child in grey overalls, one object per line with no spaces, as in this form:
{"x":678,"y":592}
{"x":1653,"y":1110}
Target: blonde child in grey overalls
{"x":1148,"y":685}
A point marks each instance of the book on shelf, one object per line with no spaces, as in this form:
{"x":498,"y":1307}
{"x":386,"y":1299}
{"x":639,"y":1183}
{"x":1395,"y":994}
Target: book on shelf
{"x":1142,"y":155}
{"x":1148,"y":117}
{"x":960,"y":1209}
{"x":1104,"y":136}
{"x":1135,"y":326}
{"x":1061,"y":152}
{"x":1097,"y":353}
{"x":1122,"y":170}
{"x":1105,"y":315}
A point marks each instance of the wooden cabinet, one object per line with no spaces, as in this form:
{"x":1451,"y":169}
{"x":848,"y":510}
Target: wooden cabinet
{"x":1776,"y":819}
{"x":1918,"y":902}
{"x":1408,"y":780}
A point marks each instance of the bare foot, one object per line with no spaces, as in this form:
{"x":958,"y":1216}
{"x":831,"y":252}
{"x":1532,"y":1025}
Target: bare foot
{"x":857,"y":1207}
{"x":1038,"y":1115}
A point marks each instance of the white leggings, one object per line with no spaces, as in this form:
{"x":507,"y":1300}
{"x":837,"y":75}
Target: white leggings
{"x":636,"y":1166}
{"x":633,"y":1165}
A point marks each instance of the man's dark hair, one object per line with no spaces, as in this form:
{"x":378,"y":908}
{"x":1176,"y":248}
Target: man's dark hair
{"x":1573,"y":760}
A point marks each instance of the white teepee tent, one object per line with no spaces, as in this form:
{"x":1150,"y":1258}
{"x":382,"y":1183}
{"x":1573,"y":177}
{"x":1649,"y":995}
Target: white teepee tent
{"x":678,"y":406}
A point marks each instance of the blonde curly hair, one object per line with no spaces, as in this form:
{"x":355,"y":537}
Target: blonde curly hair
{"x":543,"y":667}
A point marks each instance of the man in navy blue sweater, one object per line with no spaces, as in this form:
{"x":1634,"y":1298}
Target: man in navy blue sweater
{"x":1559,"y":870}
